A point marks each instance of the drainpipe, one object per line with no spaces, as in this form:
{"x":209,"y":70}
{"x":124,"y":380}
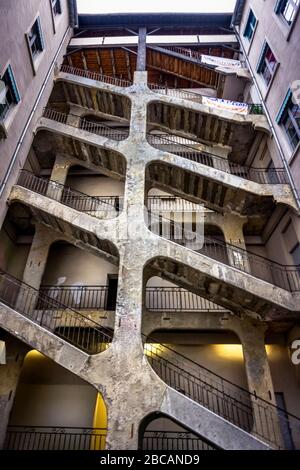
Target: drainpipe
{"x":270,"y":122}
{"x":28,"y":122}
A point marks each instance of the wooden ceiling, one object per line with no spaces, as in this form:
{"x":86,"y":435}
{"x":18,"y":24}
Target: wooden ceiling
{"x":162,"y":68}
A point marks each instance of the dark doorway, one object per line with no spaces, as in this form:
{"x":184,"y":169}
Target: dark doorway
{"x":112,"y":283}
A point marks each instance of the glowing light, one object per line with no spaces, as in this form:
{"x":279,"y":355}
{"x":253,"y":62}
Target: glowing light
{"x":34,"y":355}
{"x":229,"y":351}
{"x":152,"y":348}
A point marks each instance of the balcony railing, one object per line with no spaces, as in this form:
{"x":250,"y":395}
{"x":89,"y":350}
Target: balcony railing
{"x":93,"y":205}
{"x":285,"y":276}
{"x":173,"y":440}
{"x":171,"y":204}
{"x":79,"y":297}
{"x":54,"y":438}
{"x":184,"y":148}
{"x":171,"y":299}
{"x":47,"y":312}
{"x":86,"y":125}
{"x":228,"y":400}
{"x":251,"y":108}
{"x":177,"y":299}
{"x":95,"y":76}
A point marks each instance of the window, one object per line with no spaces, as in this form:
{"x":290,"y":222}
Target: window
{"x":287,"y":9}
{"x":250,"y":26}
{"x":56,"y":7}
{"x":267,"y":64}
{"x":11,"y":96}
{"x":289,"y":118}
{"x":35,"y":38}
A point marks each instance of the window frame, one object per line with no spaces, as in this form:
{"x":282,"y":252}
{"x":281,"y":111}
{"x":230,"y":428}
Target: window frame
{"x":262,"y":62}
{"x":283,"y":115}
{"x":248,"y":25}
{"x":54,"y":4}
{"x":280,"y":8}
{"x":35,"y":57}
{"x":13,"y":90}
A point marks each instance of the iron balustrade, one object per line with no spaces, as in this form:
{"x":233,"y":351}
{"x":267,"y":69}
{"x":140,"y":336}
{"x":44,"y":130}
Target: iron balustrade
{"x":78,"y":297}
{"x":177,"y":299}
{"x":96,"y":76}
{"x":86,"y":125}
{"x":171,"y":204}
{"x":252,"y":108}
{"x":228,"y":400}
{"x":171,"y":299}
{"x":94,"y":205}
{"x":175,"y":92}
{"x":54,"y":438}
{"x":184,"y":148}
{"x":173,"y":440}
{"x":284,"y":276}
{"x":47,"y":312}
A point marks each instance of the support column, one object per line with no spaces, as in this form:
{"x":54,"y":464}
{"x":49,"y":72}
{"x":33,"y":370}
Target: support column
{"x":38,"y":255}
{"x":233,"y":234}
{"x":141,"y":57}
{"x":58,"y":175}
{"x":260,"y":383}
{"x":9,"y":378}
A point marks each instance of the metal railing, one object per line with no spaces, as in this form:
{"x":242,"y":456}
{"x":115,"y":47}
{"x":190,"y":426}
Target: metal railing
{"x":61,"y":320}
{"x":79,"y":297}
{"x":184,"y":148}
{"x":54,"y":438}
{"x":171,"y":204}
{"x":171,"y":299}
{"x":173,"y":440}
{"x":252,"y":108}
{"x":285,"y":276}
{"x":99,"y":77}
{"x":177,"y":299}
{"x":230,"y":401}
{"x":85,"y":124}
{"x":93,"y":205}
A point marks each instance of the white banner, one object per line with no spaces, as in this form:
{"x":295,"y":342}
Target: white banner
{"x":232,"y":106}
{"x":220,"y":61}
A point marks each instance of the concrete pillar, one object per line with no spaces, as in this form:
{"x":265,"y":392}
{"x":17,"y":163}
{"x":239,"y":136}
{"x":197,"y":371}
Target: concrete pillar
{"x":260,"y":383}
{"x":233,"y":234}
{"x":58,"y":175}
{"x":37,"y":258}
{"x":74,"y":116}
{"x":9,"y":378}
{"x":141,"y":57}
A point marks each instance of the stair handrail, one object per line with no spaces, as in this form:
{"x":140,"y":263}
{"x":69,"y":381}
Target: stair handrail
{"x":166,"y":137}
{"x":48,"y":182}
{"x":41,"y":296}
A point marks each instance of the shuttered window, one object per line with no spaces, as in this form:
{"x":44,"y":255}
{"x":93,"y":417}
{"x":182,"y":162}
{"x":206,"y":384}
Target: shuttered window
{"x":287,"y":9}
{"x":289,"y":117}
{"x":12,"y":95}
{"x":250,"y":26}
{"x":35,"y":38}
